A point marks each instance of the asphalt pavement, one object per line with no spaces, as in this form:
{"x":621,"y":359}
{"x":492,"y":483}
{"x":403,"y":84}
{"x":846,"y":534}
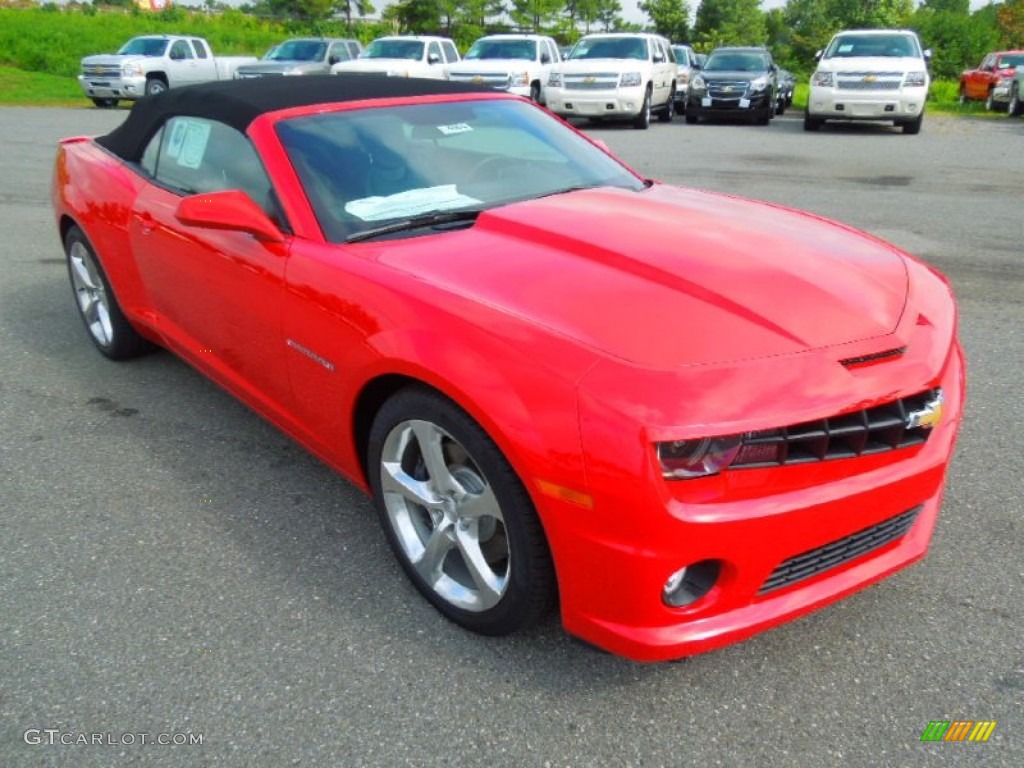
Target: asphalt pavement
{"x":173,"y":568}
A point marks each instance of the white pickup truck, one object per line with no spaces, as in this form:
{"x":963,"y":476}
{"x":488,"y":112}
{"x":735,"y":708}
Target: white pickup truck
{"x":151,"y":64}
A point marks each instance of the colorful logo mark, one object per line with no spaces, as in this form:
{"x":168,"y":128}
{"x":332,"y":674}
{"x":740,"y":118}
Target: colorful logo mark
{"x":958,"y":730}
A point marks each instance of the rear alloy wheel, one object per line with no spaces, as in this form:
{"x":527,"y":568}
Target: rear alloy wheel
{"x":990,"y":102}
{"x":669,"y":112}
{"x":457,"y":516}
{"x":108,"y":328}
{"x":812,"y":123}
{"x":963,"y":95}
{"x":105,"y":103}
{"x":913,"y":127}
{"x":535,"y":92}
{"x":643,"y":120}
{"x":1015,"y":108}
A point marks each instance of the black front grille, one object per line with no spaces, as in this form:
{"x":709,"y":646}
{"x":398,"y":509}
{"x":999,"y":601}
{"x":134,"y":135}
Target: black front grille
{"x":860,"y":433}
{"x":848,"y":548}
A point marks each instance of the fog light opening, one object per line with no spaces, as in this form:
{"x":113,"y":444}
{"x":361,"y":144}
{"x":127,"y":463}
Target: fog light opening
{"x":688,"y":585}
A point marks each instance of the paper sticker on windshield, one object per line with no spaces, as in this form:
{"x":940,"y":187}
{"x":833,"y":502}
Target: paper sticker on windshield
{"x":413,"y":202}
{"x":188,"y":142}
{"x":844,"y":48}
{"x":451,"y":130}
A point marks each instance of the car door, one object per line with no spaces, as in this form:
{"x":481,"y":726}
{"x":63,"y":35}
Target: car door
{"x":181,"y":69}
{"x":216,"y":293}
{"x":978,"y":80}
{"x":664,"y":69}
{"x":434,"y":68}
{"x":205,"y":66}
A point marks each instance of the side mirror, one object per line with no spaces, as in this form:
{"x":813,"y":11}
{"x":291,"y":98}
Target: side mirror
{"x":658,"y":58}
{"x":333,"y":59}
{"x":433,"y":58}
{"x":545,"y":58}
{"x":817,"y":55}
{"x":230,"y":209}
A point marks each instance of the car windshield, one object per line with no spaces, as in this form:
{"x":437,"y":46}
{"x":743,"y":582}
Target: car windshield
{"x":736,"y":61}
{"x":364,"y":168}
{"x":298,"y":50}
{"x":393,"y":49}
{"x":144,"y":46}
{"x":682,"y":55}
{"x":503,"y":49}
{"x":845,"y":46}
{"x":1011,"y":61}
{"x":610,"y":48}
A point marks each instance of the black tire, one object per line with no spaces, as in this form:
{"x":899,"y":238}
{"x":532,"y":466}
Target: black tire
{"x":155,"y":86}
{"x":465,"y":469}
{"x":97,"y":305}
{"x":812,"y":123}
{"x":766,"y":115}
{"x":690,"y":117}
{"x":913,"y":127}
{"x":1014,"y":107}
{"x":643,"y":120}
{"x":781,"y":108}
{"x":962,"y":97}
{"x":535,"y":92}
{"x":667,"y":114}
{"x":105,"y":103}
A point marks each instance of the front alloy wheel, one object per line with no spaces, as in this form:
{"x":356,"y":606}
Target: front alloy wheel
{"x":457,"y":516}
{"x":1015,"y":108}
{"x":643,"y":120}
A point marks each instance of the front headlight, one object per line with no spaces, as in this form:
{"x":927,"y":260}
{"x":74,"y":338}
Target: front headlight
{"x":698,"y":84}
{"x":630,"y":79}
{"x":133,"y":69}
{"x":915,"y":80}
{"x":519,"y":79}
{"x":706,"y":456}
{"x":555,"y":80}
{"x":823,"y":79}
{"x":759,"y":84}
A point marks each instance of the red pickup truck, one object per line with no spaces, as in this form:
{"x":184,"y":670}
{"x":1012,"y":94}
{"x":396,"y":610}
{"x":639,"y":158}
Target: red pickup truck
{"x":990,"y":82}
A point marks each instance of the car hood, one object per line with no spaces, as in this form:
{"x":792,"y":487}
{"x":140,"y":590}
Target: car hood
{"x":377,"y":65}
{"x":574,"y":66}
{"x":670,"y":277}
{"x":717,"y":76}
{"x":871,"y":64}
{"x":491,"y":65}
{"x":279,"y":67}
{"x":111,"y":59}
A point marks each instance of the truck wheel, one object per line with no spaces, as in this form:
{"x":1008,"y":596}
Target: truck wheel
{"x":669,"y":112}
{"x":913,"y":127}
{"x":535,"y":92}
{"x":1015,"y":108}
{"x":963,"y":95}
{"x":154,"y":86}
{"x":643,"y":120}
{"x":990,"y":102}
{"x":105,"y":103}
{"x":812,"y":123}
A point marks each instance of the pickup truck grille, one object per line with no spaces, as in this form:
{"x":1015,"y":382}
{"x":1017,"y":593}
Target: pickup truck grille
{"x":869,"y":81}
{"x":101,"y":70}
{"x":493,"y":79}
{"x":598,"y":81}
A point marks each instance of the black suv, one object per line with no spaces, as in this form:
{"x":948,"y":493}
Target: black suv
{"x":735,"y":82}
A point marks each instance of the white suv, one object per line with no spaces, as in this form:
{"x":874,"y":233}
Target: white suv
{"x":870,"y":74}
{"x":404,"y":56}
{"x":515,"y":63}
{"x":616,"y":76}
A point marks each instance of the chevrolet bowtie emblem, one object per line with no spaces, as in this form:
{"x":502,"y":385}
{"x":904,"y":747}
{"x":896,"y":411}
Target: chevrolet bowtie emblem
{"x":727,"y":89}
{"x":589,"y":79}
{"x":478,"y":79}
{"x":927,"y":416}
{"x":870,"y":79}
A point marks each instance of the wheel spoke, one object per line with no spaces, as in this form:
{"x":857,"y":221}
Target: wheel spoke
{"x":431,"y":440}
{"x":489,"y":585}
{"x":105,"y":331}
{"x":81,"y":273}
{"x":430,"y":563}
{"x":396,"y":480}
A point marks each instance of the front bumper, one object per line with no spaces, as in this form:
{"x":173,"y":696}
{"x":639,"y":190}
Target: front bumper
{"x":618,"y":102}
{"x":702,"y":104}
{"x":113,"y":87}
{"x":752,"y":521}
{"x":904,"y":104}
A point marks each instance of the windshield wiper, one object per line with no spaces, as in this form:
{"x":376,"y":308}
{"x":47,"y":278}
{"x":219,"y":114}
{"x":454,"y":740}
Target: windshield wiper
{"x":414,"y":222}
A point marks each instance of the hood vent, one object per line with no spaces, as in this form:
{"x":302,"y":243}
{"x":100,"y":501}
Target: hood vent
{"x":876,"y":357}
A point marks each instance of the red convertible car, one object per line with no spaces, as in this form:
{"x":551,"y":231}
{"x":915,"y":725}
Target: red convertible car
{"x":682,"y":417}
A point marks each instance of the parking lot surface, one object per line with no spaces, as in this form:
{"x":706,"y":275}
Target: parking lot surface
{"x":171,"y":564}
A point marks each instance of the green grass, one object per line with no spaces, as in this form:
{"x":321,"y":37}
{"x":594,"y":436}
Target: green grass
{"x":20,"y":88}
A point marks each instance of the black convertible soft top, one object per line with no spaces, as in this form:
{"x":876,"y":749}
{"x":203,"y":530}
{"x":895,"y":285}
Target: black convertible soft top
{"x":238,"y":102}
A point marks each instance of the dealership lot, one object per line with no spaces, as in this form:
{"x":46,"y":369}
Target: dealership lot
{"x":172,"y":564}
